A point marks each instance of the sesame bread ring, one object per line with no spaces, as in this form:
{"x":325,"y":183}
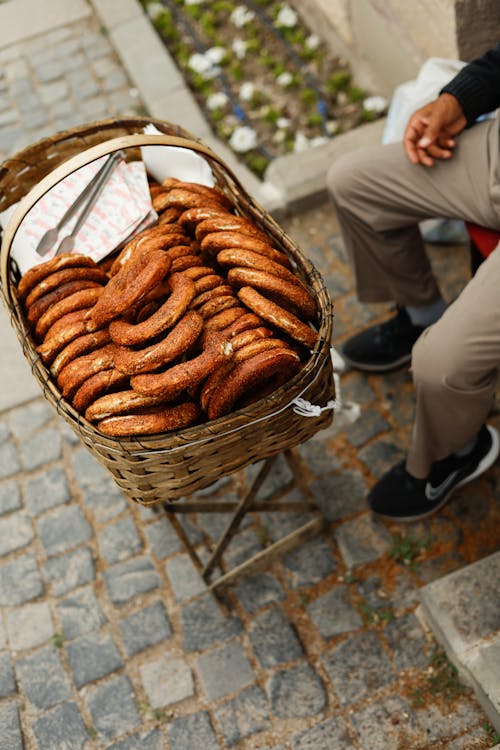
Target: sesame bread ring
{"x":82,"y":368}
{"x":211,"y":193}
{"x":278,"y":317}
{"x":35,"y":275}
{"x":229,"y":223}
{"x":250,"y":374}
{"x":169,"y":216}
{"x":208,"y":282}
{"x":219,"y":291}
{"x":249,"y":336}
{"x":150,"y":423}
{"x":157,"y":232}
{"x":51,"y":282}
{"x":256,"y":347}
{"x":216,"y":241}
{"x":187,"y":261}
{"x":173,"y":345}
{"x":197,"y":272}
{"x":213,"y":382}
{"x":121,"y":402}
{"x":284,"y":290}
{"x":217,"y":305}
{"x":62,"y":332}
{"x":178,"y":251}
{"x":97,"y":385}
{"x":182,"y":198}
{"x":246,"y":322}
{"x":80,"y":300}
{"x":171,"y":383}
{"x":182,"y":294}
{"x":236,"y":257}
{"x":38,"y":308}
{"x":224,"y":319}
{"x":133,"y":282}
{"x":191,"y":217}
{"x":81,"y":345}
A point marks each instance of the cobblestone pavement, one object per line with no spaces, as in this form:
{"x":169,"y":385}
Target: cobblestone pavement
{"x":107,"y":638}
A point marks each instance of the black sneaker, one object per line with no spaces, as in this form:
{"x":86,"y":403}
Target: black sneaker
{"x":383,"y":347}
{"x":399,"y":496}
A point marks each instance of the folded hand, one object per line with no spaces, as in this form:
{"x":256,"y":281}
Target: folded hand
{"x":430,"y":132}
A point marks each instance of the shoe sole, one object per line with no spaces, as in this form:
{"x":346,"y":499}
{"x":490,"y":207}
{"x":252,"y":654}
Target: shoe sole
{"x":377,"y":368}
{"x":487,"y":461}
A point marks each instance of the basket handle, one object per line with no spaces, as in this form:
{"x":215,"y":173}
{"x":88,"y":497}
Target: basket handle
{"x":81,"y":160}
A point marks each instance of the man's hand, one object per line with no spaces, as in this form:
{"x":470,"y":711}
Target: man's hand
{"x":430,"y":132}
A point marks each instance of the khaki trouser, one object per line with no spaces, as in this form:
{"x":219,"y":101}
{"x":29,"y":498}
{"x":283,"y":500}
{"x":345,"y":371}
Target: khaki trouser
{"x":380,"y":197}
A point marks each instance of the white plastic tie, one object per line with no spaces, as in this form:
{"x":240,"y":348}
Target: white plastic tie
{"x":306,"y":409}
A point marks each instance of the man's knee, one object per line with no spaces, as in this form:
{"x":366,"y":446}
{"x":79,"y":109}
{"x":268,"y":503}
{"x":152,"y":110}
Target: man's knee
{"x":436,"y":364}
{"x":346,"y":177}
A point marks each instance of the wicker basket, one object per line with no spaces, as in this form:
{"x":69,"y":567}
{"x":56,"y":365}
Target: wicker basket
{"x":165,"y":467}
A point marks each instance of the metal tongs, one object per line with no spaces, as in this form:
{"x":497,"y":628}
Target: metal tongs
{"x":86,"y":199}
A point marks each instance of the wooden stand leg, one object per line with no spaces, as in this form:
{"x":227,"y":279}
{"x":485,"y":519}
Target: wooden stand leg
{"x":240,"y":509}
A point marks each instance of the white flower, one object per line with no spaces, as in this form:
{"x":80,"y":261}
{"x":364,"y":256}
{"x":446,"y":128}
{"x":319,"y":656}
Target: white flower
{"x":247,"y":90}
{"x":239,"y":47}
{"x":301,"y":143}
{"x":155,"y":10}
{"x":286,"y":17}
{"x":313,"y":41}
{"x":283,"y":122}
{"x":241,"y":16}
{"x":217,"y":100}
{"x":279,"y":136}
{"x":193,"y":2}
{"x":243,"y":139}
{"x":332,"y":127}
{"x":203,"y":65}
{"x":284,"y":79}
{"x":375,"y":104}
{"x":215,"y":54}
{"x":320,"y":140}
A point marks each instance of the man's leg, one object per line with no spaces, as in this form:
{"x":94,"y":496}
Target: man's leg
{"x":455,"y":369}
{"x":380,"y":198}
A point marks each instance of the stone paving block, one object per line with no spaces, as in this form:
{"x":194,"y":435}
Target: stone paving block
{"x":113,"y":707}
{"x":339,"y":495}
{"x":463,"y":607}
{"x":388,"y":723}
{"x":333,"y":613}
{"x":256,"y":591}
{"x":167,"y":680}
{"x":127,"y":579}
{"x":145,"y":628}
{"x":309,"y":563}
{"x":204,"y":624}
{"x":438,"y":726}
{"x":362,"y":540}
{"x":62,"y":529}
{"x":357,"y":667}
{"x":16,"y":531}
{"x":407,"y":642}
{"x":119,"y":540}
{"x":99,"y":492}
{"x":318,"y":455}
{"x":10,"y":728}
{"x":20,"y":580}
{"x":274,"y":640}
{"x":43,"y":679}
{"x":194,"y":730}
{"x":62,"y":727}
{"x":80,"y":613}
{"x":10,"y":496}
{"x":91,"y":657}
{"x":184,"y":578}
{"x":331,"y":734}
{"x":277,"y":525}
{"x":46,"y":490}
{"x":29,"y":626}
{"x":162,"y":539}
{"x":9,"y":459}
{"x":7,"y":682}
{"x":243,"y":716}
{"x":224,"y":670}
{"x":143,"y":740}
{"x":367,"y":427}
{"x":483,"y":665}
{"x":381,"y":455}
{"x":41,"y":447}
{"x":69,"y":571}
{"x":296,"y":692}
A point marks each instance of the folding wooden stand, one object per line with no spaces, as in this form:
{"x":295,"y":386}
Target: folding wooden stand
{"x":247,"y":504}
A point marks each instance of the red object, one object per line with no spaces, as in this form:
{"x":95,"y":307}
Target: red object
{"x":484,"y":239}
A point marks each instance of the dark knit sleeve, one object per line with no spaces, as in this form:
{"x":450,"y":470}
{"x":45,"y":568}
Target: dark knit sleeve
{"x":477,"y":85}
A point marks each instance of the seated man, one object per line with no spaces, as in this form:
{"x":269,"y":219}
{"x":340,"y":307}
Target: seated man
{"x":380,"y":195}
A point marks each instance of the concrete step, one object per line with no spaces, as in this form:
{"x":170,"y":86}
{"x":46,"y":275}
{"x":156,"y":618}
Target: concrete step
{"x":463,"y":611}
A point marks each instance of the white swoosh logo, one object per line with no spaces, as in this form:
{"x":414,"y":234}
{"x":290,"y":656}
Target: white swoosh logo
{"x":432,"y":493}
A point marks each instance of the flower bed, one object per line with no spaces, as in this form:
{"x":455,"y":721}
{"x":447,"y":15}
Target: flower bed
{"x":267,"y":85}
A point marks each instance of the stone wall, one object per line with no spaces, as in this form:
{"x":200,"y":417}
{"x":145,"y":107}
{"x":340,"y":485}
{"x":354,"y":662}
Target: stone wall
{"x":386,"y":41}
